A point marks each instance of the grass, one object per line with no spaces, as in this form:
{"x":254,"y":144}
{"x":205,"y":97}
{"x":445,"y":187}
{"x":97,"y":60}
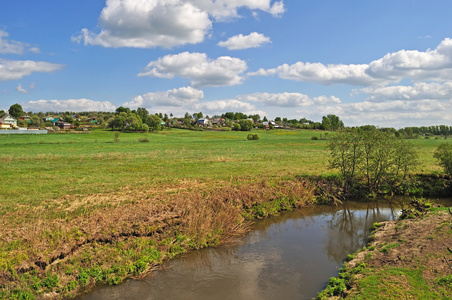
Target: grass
{"x":76,"y":209}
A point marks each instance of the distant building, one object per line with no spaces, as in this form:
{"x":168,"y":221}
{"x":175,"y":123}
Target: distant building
{"x":8,"y":121}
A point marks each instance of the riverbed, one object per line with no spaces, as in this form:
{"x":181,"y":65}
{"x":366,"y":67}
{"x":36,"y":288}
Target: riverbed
{"x":290,"y":256}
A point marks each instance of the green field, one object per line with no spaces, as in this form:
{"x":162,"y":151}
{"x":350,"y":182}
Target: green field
{"x":36,"y":168}
{"x":39,"y":167}
{"x":78,"y":195}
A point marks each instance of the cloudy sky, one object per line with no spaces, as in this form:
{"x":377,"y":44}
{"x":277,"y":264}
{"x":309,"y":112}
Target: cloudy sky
{"x":387,"y":63}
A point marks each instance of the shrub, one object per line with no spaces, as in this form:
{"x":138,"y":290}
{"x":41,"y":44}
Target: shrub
{"x":144,"y":140}
{"x":252,"y":136}
{"x":314,"y":138}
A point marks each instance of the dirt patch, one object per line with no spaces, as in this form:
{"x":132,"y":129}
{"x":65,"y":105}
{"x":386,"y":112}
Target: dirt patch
{"x":422,"y":245}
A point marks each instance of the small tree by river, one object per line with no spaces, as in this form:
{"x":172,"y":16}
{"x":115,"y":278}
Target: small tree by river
{"x":377,"y":160}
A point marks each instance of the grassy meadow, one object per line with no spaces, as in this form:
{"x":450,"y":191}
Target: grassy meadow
{"x":81,"y":208}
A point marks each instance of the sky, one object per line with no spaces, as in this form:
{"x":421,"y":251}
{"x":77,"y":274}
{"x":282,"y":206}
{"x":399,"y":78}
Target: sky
{"x":385,"y":63}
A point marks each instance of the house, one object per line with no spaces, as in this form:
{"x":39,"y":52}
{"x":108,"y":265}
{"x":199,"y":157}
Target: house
{"x":63,"y":125}
{"x":8,"y":121}
{"x":202,"y":122}
{"x":217,"y":121}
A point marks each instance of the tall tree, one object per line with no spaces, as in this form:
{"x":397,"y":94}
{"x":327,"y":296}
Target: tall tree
{"x":16,"y":111}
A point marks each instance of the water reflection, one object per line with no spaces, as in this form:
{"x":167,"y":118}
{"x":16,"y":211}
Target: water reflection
{"x":290,"y":256}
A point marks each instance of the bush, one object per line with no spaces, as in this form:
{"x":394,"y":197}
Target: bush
{"x":144,"y":140}
{"x":252,"y":136}
{"x":444,"y":156}
{"x":314,"y":138}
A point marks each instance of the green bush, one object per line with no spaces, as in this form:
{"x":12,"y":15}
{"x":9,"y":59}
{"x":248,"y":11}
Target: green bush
{"x":144,"y":140}
{"x":252,"y":136}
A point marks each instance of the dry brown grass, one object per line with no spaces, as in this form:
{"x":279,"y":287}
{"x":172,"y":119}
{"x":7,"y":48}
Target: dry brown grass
{"x":91,"y":224}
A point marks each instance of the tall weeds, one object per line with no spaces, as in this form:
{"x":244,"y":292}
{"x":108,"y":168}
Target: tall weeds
{"x":106,"y":233}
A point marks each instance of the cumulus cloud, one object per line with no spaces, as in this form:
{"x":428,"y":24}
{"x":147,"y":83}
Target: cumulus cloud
{"x":320,"y":73}
{"x":176,"y":97}
{"x":14,"y":47}
{"x":165,"y":23}
{"x":202,"y":71}
{"x":221,"y":106}
{"x":288,"y":99}
{"x":148,"y":24}
{"x":419,"y":91}
{"x":240,"y":42}
{"x":415,"y":64}
{"x":430,"y":65}
{"x":75,"y":105}
{"x":16,"y":69}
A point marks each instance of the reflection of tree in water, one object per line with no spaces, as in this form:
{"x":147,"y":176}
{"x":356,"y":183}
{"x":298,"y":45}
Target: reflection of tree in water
{"x":349,"y":228}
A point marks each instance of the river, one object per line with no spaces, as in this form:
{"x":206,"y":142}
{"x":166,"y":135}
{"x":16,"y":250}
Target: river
{"x":291,"y":256}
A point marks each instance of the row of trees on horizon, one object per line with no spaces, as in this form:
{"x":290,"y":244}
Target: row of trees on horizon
{"x":141,"y":119}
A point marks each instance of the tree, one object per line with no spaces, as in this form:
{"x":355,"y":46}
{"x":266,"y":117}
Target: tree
{"x":443,"y":155}
{"x":326,"y":123}
{"x":228,"y":115}
{"x":346,"y":155}
{"x":255,"y":118}
{"x":153,"y":123}
{"x":2,"y":113}
{"x":265,"y":119}
{"x":278,"y":119}
{"x":68,"y":119}
{"x":332,"y":122}
{"x":16,"y":111}
{"x":122,"y":109}
{"x":378,"y":158}
{"x":143,"y":113}
{"x":245,"y":125}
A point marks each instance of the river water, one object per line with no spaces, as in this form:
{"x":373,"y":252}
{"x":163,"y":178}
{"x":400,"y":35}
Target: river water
{"x":291,"y":256}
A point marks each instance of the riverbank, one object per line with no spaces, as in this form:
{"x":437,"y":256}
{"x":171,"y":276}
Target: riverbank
{"x":405,"y":259}
{"x":128,"y":233}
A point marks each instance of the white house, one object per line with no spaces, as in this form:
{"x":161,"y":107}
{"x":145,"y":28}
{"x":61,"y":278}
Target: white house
{"x":8,"y":121}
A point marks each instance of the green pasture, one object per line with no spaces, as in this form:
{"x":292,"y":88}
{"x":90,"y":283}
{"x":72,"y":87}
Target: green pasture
{"x":39,"y":167}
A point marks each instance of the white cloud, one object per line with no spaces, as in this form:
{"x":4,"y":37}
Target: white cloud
{"x":75,"y":105}
{"x":419,"y":91}
{"x":240,"y":42}
{"x":414,"y":64}
{"x":16,"y":69}
{"x":431,"y":65}
{"x":202,"y":71}
{"x":320,"y":73}
{"x":148,"y":24}
{"x":223,"y":10}
{"x":289,"y":99}
{"x":278,"y":99}
{"x":165,"y":23}
{"x":184,"y":96}
{"x":14,"y":47}
{"x":21,"y":89}
{"x":222,"y":106}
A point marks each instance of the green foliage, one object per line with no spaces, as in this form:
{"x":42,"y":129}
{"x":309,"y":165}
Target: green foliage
{"x":376,"y":225}
{"x":388,"y":247}
{"x":253,"y":136}
{"x":378,"y":158}
{"x":144,"y":140}
{"x":83,"y":278}
{"x":332,"y":122}
{"x":443,"y":154}
{"x":16,"y":111}
{"x":246,"y":125}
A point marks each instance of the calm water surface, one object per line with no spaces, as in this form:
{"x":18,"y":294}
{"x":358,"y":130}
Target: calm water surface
{"x":291,"y":256}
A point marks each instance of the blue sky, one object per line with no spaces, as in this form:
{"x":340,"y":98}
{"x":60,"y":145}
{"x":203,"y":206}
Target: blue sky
{"x":387,"y":63}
